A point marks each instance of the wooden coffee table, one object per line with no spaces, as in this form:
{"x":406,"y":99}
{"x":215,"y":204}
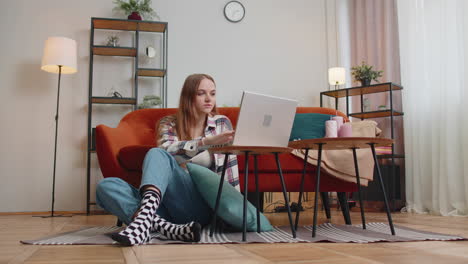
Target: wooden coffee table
{"x":352,"y":143}
{"x":246,"y":151}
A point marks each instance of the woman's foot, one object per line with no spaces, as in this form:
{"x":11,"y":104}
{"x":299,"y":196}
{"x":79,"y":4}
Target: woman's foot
{"x":125,"y":239}
{"x":190,"y":232}
{"x":138,"y":231}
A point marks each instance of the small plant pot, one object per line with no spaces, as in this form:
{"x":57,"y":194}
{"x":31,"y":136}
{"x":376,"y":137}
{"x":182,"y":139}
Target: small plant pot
{"x":134,"y":16}
{"x":382,"y":107}
{"x":365,"y":82}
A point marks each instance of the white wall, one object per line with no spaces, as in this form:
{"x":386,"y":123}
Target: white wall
{"x":279,"y":48}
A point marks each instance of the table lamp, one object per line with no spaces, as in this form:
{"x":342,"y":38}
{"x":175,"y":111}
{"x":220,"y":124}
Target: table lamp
{"x":336,"y":76}
{"x":59,"y":57}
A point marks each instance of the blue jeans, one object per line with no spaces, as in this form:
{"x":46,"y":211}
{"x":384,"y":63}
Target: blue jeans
{"x":181,"y":201}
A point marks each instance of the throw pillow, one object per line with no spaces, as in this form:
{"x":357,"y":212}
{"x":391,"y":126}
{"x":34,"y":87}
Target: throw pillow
{"x":309,"y":125}
{"x":231,"y":203}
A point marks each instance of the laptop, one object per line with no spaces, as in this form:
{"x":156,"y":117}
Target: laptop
{"x":264,"y":120}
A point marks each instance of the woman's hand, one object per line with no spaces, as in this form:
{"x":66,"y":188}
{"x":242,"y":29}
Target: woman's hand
{"x":223,"y":138}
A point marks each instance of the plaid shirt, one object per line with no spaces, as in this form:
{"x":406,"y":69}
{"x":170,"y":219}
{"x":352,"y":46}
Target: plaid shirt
{"x":184,"y":151}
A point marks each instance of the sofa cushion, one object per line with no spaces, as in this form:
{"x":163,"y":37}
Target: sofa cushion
{"x":131,"y":157}
{"x":231,"y":202}
{"x":267,"y":163}
{"x":309,"y":125}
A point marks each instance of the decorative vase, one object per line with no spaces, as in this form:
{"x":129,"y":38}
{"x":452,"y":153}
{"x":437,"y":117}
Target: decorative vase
{"x":113,"y":41}
{"x":134,"y":16}
{"x":365,"y":82}
{"x":366,"y":105}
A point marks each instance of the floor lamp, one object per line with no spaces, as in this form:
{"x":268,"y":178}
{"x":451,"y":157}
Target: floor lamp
{"x":59,"y":57}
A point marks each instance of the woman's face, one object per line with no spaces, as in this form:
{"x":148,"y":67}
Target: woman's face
{"x":206,"y":97}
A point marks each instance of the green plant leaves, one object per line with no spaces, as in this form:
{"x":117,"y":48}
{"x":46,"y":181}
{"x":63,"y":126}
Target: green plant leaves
{"x":365,"y":71}
{"x":149,"y":101}
{"x":141,"y":6}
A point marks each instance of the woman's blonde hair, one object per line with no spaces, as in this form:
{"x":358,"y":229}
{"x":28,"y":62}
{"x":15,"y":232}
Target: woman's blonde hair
{"x":185,"y":116}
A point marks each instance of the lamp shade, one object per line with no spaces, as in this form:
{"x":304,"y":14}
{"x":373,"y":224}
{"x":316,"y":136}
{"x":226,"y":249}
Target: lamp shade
{"x":336,"y":76}
{"x":59,"y":51}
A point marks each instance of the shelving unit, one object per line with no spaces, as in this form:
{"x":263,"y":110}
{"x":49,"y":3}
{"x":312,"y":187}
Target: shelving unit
{"x":361,"y":91}
{"x":134,"y":26}
{"x":390,"y":112}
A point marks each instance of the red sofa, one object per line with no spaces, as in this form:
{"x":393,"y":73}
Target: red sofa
{"x":121,"y":151}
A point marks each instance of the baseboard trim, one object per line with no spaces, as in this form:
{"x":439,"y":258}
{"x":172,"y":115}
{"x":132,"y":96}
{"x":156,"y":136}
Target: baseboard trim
{"x":94,"y":212}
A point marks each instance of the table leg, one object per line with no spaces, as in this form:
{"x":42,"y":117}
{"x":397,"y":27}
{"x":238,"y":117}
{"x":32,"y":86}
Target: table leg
{"x":358,"y":179}
{"x":389,"y":216}
{"x":317,"y":185}
{"x":246,"y":181}
{"x":301,"y":192}
{"x":344,"y":205}
{"x":283,"y":186}
{"x":218,"y":196}
{"x":256,"y":192}
{"x":326,"y":204}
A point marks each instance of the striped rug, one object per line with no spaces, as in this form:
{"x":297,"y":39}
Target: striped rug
{"x":375,"y":232}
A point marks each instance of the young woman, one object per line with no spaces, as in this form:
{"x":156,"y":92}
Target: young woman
{"x":167,"y":200}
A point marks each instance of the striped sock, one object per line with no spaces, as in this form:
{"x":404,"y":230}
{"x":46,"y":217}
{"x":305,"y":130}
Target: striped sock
{"x":138,"y":231}
{"x":188,"y":232}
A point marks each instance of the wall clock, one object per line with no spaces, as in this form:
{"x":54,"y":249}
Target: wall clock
{"x":234,"y":11}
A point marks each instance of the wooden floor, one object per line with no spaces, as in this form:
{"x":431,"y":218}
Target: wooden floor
{"x":17,"y":227}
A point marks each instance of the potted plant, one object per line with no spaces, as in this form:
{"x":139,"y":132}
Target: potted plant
{"x":135,"y":8}
{"x":364,"y":74}
{"x":149,"y":101}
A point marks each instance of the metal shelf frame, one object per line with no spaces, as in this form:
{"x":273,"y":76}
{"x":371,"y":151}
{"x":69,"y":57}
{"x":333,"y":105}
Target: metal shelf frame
{"x":135,"y":26}
{"x":360,"y":91}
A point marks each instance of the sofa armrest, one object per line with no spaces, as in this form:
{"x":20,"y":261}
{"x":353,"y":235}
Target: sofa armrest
{"x":109,"y":141}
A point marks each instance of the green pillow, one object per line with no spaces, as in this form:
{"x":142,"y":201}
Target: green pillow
{"x":309,"y":125}
{"x":231,"y":204}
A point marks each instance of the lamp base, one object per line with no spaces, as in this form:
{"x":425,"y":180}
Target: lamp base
{"x":52,"y":215}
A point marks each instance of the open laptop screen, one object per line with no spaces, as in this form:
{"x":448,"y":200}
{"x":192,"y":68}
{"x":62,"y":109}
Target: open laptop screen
{"x":264,"y":120}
